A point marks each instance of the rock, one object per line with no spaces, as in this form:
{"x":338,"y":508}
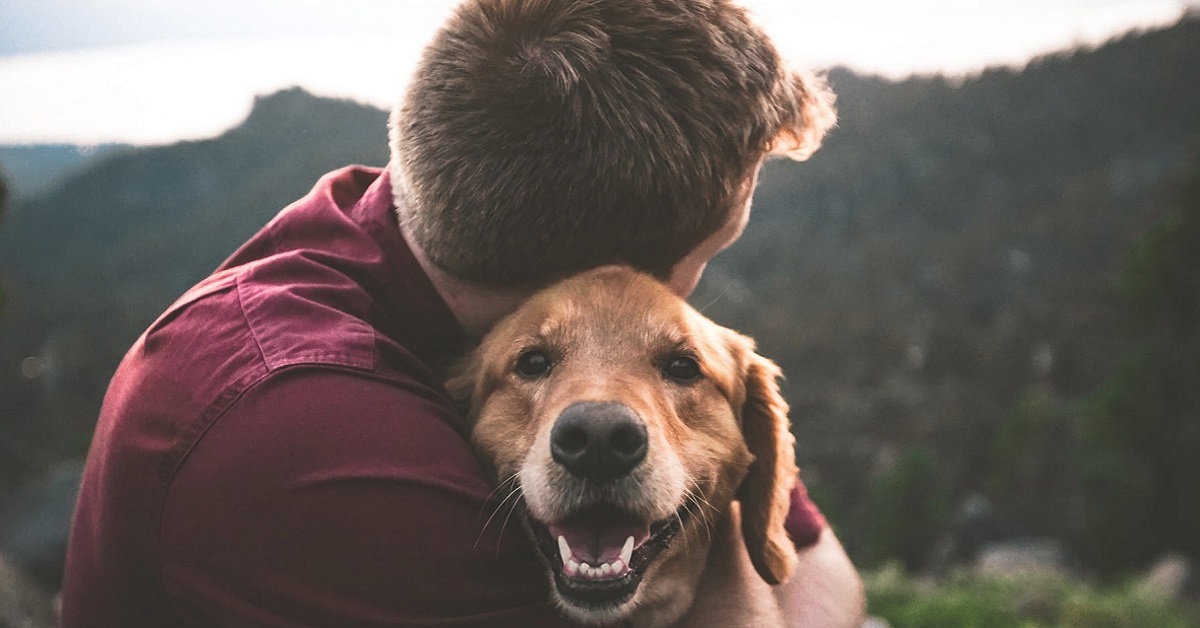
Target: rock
{"x":22,"y":603}
{"x":977,"y":525}
{"x":1168,"y":578}
{"x":1023,"y":558}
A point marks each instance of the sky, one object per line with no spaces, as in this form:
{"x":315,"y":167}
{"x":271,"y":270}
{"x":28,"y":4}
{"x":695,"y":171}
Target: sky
{"x":151,"y":72}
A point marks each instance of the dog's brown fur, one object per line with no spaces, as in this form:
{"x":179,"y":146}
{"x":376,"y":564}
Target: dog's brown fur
{"x":721,"y":437}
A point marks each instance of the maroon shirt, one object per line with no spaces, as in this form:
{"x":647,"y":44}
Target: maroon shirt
{"x":276,"y":449}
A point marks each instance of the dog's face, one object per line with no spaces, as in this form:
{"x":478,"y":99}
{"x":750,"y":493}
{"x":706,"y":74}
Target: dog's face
{"x":626,"y":423}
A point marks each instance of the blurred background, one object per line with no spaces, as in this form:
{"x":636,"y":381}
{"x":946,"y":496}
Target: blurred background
{"x":984,"y":290}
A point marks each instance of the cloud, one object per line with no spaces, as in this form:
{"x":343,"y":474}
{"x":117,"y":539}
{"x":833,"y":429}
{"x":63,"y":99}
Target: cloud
{"x":190,"y":68}
{"x":32,"y":26}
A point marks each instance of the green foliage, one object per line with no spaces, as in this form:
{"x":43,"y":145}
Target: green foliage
{"x":1028,"y":473}
{"x":1137,"y":459}
{"x":911,"y":276}
{"x":1161,"y":278}
{"x":906,"y":603}
{"x":969,"y":601}
{"x":1141,"y":428}
{"x":906,"y":510}
{"x":1115,"y":472}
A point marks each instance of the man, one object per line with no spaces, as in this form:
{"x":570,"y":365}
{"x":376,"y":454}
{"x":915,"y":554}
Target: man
{"x":278,"y":450}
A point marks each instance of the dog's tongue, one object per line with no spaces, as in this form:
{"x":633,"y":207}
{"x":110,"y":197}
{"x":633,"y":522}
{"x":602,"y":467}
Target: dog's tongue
{"x":599,"y":537}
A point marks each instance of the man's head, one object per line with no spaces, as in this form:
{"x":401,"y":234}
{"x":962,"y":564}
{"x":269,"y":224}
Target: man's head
{"x":540,"y":138}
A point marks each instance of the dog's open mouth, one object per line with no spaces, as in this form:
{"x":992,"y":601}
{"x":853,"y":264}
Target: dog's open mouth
{"x":600,"y":554}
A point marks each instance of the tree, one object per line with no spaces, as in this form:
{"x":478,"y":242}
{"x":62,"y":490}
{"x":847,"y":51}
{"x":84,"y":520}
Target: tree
{"x":906,"y":511}
{"x":1141,"y":429}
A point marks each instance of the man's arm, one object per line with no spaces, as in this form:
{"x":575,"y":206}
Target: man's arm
{"x":327,"y":497}
{"x":824,"y":591}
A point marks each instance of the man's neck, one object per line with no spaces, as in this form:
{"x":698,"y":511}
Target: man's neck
{"x":476,"y":308}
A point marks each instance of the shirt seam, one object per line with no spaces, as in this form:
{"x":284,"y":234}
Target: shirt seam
{"x":193,"y":434}
{"x":262,"y":354}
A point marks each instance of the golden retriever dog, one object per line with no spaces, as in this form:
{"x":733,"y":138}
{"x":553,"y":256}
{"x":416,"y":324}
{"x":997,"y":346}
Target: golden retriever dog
{"x":631,"y":431}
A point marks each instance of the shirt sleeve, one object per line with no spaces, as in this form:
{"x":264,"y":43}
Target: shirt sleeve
{"x":804,"y":521}
{"x":330,"y":498}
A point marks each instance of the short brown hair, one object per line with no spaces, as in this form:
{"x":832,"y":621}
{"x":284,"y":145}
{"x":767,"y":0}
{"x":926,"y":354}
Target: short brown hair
{"x":539,"y":138}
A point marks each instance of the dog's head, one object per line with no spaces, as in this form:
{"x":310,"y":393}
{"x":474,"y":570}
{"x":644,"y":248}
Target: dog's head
{"x":628,"y":422}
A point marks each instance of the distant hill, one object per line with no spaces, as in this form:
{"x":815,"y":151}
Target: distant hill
{"x":955,"y":241}
{"x":952,"y":246}
{"x":116,"y":224}
{"x":90,"y":263}
{"x":34,"y":169}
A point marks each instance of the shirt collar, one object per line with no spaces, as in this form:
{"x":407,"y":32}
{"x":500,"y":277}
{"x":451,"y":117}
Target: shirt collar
{"x":416,"y":313}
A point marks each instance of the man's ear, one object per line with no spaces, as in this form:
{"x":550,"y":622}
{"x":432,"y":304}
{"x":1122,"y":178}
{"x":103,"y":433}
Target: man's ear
{"x":765,"y":492}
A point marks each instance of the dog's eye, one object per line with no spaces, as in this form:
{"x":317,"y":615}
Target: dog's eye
{"x":682,"y":368}
{"x":533,"y":363}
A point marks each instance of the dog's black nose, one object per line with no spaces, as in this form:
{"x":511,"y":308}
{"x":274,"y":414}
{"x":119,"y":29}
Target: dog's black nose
{"x":598,"y":441}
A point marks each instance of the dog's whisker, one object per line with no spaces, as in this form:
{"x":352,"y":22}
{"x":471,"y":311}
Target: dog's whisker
{"x":499,"y":487}
{"x":701,"y":511}
{"x":686,"y":543}
{"x":504,"y":525}
{"x":512,"y":506}
{"x":716,"y":298}
{"x":495,"y":511}
{"x":515,"y":491}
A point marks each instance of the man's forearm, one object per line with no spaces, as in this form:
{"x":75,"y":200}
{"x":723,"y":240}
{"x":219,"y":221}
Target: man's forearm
{"x":825,"y":591}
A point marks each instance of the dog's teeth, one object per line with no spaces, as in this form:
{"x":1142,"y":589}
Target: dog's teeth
{"x":618,"y":567}
{"x":564,"y":549}
{"x":604,"y":570}
{"x":571,"y":568}
{"x":627,"y":551}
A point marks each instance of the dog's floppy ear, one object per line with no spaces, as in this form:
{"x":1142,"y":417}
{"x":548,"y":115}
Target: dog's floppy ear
{"x":462,"y":382}
{"x":765,"y":493}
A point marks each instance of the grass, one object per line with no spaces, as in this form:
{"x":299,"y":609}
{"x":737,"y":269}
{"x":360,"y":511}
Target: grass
{"x":971,"y":601}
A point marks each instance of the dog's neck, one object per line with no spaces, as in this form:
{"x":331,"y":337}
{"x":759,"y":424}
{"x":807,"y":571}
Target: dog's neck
{"x":476,"y":308}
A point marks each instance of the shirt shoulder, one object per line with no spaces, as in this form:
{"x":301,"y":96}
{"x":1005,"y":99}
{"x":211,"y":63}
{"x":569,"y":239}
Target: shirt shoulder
{"x":346,"y":498}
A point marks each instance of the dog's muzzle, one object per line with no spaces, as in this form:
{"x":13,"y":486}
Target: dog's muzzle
{"x":601,"y":550}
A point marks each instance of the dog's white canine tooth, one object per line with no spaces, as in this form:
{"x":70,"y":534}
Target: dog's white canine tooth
{"x":571,"y":568}
{"x":618,"y":566}
{"x":627,"y":551}
{"x":564,"y":549}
